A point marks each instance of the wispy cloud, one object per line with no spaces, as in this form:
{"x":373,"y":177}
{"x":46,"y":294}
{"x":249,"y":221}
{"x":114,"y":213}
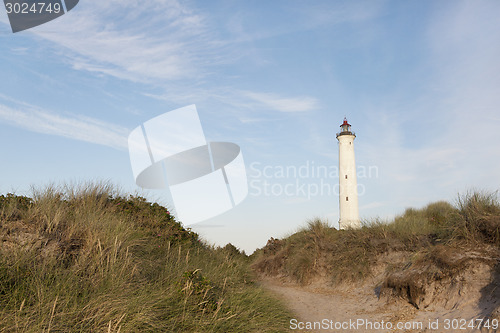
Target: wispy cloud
{"x":242,"y":100}
{"x":448,"y":145}
{"x":80,"y":128}
{"x":283,"y":104}
{"x":249,"y":120}
{"x":241,"y":25}
{"x":320,"y":14}
{"x":124,"y":40}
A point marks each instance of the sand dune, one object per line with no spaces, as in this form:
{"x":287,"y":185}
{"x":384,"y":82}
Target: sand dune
{"x":452,"y":305}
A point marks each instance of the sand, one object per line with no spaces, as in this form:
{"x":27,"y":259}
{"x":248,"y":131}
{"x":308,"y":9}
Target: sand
{"x":452,"y":307}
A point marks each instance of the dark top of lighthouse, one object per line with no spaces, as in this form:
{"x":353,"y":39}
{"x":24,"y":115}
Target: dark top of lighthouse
{"x":345,"y":129}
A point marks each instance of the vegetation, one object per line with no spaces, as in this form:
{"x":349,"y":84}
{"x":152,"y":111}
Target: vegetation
{"x":88,"y":259}
{"x":440,"y":239}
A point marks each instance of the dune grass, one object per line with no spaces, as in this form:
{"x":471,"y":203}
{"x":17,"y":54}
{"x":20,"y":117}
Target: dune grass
{"x":88,"y":259}
{"x":349,"y":255}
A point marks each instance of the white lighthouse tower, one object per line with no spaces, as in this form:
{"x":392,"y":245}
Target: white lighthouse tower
{"x":348,"y":185}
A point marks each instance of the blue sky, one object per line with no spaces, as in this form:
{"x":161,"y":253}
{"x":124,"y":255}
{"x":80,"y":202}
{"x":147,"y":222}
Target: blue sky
{"x":418,"y":80}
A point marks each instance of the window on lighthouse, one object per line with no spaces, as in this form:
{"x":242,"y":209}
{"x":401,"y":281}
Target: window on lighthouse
{"x":346,"y":198}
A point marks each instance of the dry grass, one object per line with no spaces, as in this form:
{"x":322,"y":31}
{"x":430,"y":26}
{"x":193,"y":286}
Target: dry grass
{"x":350,"y":255}
{"x":88,"y":259}
{"x":478,"y":218}
{"x":437,"y":268}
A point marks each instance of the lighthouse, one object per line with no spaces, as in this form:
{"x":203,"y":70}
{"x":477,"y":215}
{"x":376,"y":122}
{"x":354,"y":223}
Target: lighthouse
{"x":348,"y":185}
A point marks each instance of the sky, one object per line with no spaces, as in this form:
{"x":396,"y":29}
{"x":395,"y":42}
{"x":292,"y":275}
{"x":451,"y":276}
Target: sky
{"x":419,"y":81}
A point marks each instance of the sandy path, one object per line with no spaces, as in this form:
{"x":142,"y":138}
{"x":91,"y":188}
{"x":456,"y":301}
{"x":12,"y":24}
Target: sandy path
{"x":361,"y":310}
{"x":346,"y":310}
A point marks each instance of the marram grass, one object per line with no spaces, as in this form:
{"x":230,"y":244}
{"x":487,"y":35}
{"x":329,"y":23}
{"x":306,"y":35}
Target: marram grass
{"x":349,"y":255}
{"x":88,"y":259}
